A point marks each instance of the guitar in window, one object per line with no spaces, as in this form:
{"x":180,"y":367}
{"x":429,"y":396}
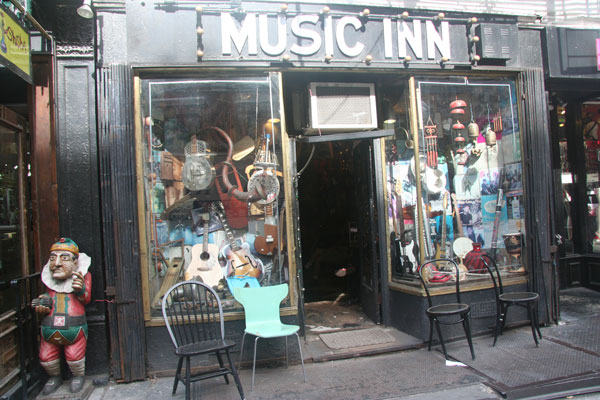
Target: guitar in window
{"x":498,"y":211}
{"x":266,"y":243}
{"x":461,"y":245}
{"x":441,"y":247}
{"x":204,"y":265}
{"x":236,"y":255}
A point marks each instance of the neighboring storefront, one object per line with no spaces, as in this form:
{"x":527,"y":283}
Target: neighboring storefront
{"x":572,"y":64}
{"x":26,"y":199}
{"x":277,"y":144}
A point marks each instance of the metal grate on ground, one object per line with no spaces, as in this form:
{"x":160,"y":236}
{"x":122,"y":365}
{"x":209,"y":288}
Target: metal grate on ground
{"x":583,"y":333}
{"x":515,"y":361}
{"x":356,"y":338}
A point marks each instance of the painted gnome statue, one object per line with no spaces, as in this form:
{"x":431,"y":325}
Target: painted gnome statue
{"x":68,"y":289}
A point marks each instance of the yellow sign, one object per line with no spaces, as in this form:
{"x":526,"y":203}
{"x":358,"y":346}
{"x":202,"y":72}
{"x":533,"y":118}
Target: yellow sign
{"x":14,"y":46}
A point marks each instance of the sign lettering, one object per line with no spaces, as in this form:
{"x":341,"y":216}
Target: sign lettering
{"x":313,"y":33}
{"x":14,"y":46}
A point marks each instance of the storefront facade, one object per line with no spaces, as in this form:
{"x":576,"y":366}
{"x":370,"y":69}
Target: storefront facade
{"x":252,"y":145}
{"x":571,"y":57}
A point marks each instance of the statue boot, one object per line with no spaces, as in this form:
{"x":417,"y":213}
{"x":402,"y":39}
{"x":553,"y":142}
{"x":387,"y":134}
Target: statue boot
{"x":55,"y":381}
{"x":78,"y":370}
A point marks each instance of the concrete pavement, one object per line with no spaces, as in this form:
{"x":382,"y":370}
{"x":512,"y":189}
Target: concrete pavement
{"x":565,"y":365}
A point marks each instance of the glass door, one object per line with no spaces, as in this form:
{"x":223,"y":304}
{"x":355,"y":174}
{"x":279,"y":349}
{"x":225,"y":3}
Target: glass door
{"x":14,"y":197}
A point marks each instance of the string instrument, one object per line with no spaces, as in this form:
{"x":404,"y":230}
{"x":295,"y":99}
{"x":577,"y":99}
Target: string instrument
{"x":174,"y":269}
{"x":237,"y":256}
{"x":427,"y":230}
{"x":398,"y":223}
{"x":266,"y":243}
{"x":197,"y":173}
{"x":461,"y":245}
{"x":410,"y":251}
{"x":264,"y":178}
{"x":441,"y":247}
{"x":499,"y":202}
{"x":204,"y":263}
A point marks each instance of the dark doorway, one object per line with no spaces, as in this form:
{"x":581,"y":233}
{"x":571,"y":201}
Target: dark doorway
{"x":329,"y":232}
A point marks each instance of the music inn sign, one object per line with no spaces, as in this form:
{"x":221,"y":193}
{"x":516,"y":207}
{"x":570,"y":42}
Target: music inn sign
{"x":330,"y":38}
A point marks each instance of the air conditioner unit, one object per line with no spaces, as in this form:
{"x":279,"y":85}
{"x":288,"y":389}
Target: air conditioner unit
{"x":342,"y":106}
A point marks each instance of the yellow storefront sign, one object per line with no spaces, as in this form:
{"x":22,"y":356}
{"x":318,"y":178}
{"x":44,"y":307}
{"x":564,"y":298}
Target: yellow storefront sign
{"x":14,"y":46}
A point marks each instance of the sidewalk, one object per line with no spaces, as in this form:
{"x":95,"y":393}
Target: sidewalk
{"x":566,"y":363}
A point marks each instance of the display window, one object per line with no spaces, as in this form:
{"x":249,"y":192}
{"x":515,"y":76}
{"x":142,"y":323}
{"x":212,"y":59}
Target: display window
{"x":591,"y":145}
{"x":210,"y":155}
{"x":455,"y":179}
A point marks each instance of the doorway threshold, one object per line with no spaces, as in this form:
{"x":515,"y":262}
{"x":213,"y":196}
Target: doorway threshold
{"x":336,"y":330}
{"x":361,"y":342}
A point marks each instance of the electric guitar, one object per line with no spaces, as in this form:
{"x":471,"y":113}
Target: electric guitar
{"x":237,"y":255}
{"x":395,"y":241}
{"x":266,"y":243}
{"x":204,"y":263}
{"x":410,"y":252}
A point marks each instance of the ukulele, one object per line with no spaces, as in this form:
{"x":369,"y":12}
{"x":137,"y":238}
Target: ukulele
{"x":204,"y":263}
{"x":461,"y":245}
{"x":237,"y":256}
{"x":265,"y":244}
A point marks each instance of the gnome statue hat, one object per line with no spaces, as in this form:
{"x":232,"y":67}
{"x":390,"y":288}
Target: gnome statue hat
{"x":83,"y":264}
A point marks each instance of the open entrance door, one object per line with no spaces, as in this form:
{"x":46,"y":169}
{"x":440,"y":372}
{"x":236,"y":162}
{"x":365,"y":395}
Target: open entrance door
{"x":364,"y":183}
{"x":337,"y":224}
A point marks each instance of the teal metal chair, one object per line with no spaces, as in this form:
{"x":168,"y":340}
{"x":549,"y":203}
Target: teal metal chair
{"x":263,"y":320}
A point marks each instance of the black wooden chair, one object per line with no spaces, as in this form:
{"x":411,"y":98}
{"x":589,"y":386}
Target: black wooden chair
{"x":194,"y":319}
{"x":527,"y":300}
{"x":447,"y":313}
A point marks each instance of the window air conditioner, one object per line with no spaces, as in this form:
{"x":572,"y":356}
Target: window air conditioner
{"x":342,"y":106}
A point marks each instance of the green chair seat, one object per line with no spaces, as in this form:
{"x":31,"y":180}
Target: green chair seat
{"x":270,"y":330}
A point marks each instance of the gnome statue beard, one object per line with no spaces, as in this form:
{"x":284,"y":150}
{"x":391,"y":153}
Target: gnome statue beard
{"x":68,"y":289}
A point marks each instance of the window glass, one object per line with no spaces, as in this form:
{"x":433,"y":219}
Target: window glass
{"x":11,"y":263}
{"x":591,"y":144}
{"x":211,"y":152}
{"x":469,"y":160}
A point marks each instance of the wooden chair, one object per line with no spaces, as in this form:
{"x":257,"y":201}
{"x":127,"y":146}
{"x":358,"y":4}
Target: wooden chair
{"x":527,"y":300}
{"x":446,"y":313}
{"x":194,"y":318}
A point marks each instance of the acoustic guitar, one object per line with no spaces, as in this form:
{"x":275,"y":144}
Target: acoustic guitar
{"x":266,"y":243}
{"x":204,"y":265}
{"x":237,"y":256}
